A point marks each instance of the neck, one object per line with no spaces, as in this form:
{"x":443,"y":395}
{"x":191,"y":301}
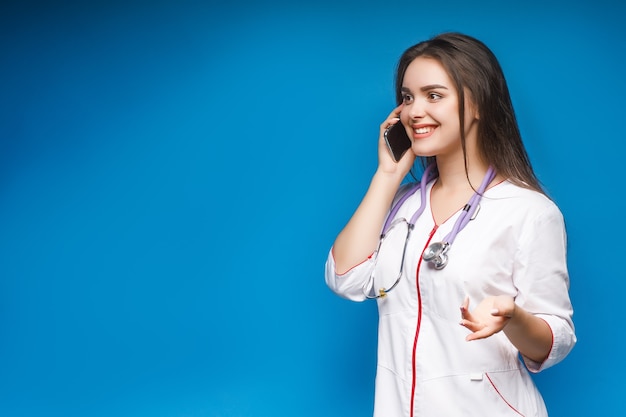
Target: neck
{"x":453,"y":177}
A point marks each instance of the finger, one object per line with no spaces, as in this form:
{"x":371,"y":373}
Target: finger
{"x":500,"y":313}
{"x":465,"y":308}
{"x":390,"y":121}
{"x":472,"y":325}
{"x":393,"y":118}
{"x":505,"y":305}
{"x":480,"y":334}
{"x":396,"y":112}
{"x":476,"y":336}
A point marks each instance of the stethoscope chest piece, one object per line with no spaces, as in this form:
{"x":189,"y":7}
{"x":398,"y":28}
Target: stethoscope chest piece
{"x":435,"y":253}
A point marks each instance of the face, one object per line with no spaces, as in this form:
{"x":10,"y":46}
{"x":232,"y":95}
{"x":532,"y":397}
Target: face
{"x":431,"y":111}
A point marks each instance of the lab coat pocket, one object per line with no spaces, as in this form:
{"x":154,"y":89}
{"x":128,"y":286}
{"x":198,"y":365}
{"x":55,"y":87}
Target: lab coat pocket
{"x":513,"y":393}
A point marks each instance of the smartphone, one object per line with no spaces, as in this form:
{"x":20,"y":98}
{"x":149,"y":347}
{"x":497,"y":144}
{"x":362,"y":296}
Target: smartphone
{"x":398,"y":142}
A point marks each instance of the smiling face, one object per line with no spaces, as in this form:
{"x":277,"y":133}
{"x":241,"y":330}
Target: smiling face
{"x":431,"y":111}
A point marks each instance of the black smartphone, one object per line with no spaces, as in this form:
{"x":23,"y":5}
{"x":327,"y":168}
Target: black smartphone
{"x":398,"y":142}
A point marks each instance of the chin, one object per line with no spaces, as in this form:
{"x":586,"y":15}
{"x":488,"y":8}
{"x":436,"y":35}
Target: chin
{"x":422,"y":153}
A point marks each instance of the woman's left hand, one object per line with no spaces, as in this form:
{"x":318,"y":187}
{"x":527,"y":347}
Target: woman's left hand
{"x":489,"y":317}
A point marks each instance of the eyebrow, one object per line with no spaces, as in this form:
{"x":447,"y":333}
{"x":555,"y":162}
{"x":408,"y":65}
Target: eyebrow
{"x":427,"y":88}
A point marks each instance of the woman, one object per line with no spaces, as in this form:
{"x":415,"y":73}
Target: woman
{"x":475,"y":293}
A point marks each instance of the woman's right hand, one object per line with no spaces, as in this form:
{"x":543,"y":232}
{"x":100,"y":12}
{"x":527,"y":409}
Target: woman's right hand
{"x":386,"y":164}
{"x":359,"y":239}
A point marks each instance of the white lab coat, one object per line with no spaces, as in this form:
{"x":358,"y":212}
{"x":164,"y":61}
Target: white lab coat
{"x":516,"y":246}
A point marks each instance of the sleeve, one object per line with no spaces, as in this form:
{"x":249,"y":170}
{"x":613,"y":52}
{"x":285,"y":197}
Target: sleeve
{"x":352,"y":285}
{"x":355,"y":283}
{"x":542,"y":281}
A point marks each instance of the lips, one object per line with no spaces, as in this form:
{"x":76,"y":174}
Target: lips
{"x":423,"y":130}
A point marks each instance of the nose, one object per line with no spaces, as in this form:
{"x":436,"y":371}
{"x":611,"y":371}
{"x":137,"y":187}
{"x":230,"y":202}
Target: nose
{"x":416,"y":110}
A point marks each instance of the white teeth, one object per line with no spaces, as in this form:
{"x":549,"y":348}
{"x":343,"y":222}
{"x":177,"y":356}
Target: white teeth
{"x":421,"y":130}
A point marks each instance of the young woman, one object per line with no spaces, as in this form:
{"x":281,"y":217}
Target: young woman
{"x":471,"y":275}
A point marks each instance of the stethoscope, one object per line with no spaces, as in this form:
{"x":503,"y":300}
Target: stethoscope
{"x":437,"y":252}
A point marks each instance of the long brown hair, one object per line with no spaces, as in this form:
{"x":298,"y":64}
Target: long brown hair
{"x":472,"y":65}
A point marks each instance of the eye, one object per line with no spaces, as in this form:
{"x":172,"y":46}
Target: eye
{"x":407,"y":98}
{"x":432,"y":96}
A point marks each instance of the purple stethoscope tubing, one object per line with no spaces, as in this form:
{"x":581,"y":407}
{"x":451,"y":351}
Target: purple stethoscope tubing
{"x":418,"y":186}
{"x":470,"y":208}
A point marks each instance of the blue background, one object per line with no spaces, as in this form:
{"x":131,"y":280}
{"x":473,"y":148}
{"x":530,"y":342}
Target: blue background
{"x":173,"y":173}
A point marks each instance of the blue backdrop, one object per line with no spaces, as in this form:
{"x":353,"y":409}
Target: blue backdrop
{"x":173,"y":173}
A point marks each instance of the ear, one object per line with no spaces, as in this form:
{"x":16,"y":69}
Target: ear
{"x":470,"y":105}
{"x":474,"y":110}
